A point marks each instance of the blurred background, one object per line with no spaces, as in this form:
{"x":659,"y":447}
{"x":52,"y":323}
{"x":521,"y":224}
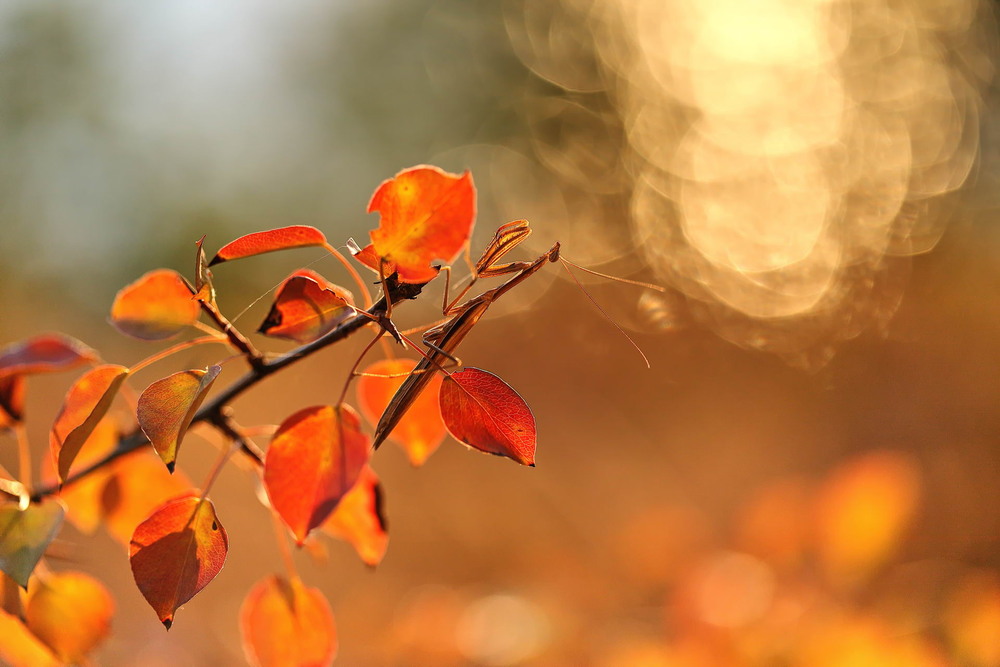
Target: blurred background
{"x":810,"y":472}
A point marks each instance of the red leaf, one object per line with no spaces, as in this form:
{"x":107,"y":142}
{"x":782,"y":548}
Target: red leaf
{"x":11,"y":400}
{"x":359,"y":519}
{"x":86,"y":403}
{"x":426,"y":215}
{"x":258,"y":243}
{"x":167,"y":406}
{"x":176,"y":552}
{"x":285,"y":624}
{"x":483,"y":411}
{"x":71,"y":612}
{"x":314,"y":459}
{"x":420,"y":430}
{"x":48,"y":353}
{"x":306,"y":306}
{"x":156,"y":306}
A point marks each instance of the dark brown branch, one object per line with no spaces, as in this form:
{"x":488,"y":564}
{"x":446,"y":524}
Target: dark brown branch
{"x":214,"y":412}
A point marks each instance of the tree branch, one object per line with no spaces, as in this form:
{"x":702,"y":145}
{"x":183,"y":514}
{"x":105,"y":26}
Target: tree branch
{"x":213,"y":411}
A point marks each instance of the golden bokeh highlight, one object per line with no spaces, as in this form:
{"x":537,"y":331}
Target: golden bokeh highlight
{"x":777,"y":157}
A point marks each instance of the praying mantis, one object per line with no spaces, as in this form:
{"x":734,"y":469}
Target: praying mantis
{"x":444,"y":338}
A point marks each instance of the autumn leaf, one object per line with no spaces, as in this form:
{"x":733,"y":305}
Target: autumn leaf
{"x":286,"y":624}
{"x":167,"y":406}
{"x":48,"y":353}
{"x":25,"y":534}
{"x":426,"y":215}
{"x":86,"y":403}
{"x":204,"y":290}
{"x":315,"y":457}
{"x":70,"y":612}
{"x":83,"y":497}
{"x":305,"y":307}
{"x":358,"y":519}
{"x":137,"y":484}
{"x":156,"y":306}
{"x":420,"y":430}
{"x":176,"y":552}
{"x":258,"y":243}
{"x":20,"y":648}
{"x":483,"y":411}
{"x":11,"y":400}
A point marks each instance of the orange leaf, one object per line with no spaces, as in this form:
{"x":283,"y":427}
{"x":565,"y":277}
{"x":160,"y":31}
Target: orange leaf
{"x":156,"y":306}
{"x":48,"y":353}
{"x":314,"y":459}
{"x":71,"y":612}
{"x":285,"y":624}
{"x":86,"y":403}
{"x":483,"y":411}
{"x":25,"y":534}
{"x":83,"y":497}
{"x":359,"y":519}
{"x":137,"y":484}
{"x":20,"y":648}
{"x":305,"y":307}
{"x":176,"y":552}
{"x":420,"y":430}
{"x":258,"y":243}
{"x":11,"y":400}
{"x":426,"y":214}
{"x":167,"y":406}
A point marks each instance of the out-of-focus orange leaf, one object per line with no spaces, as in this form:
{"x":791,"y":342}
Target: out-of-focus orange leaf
{"x":314,"y":458}
{"x":863,"y":642}
{"x":775,"y":523}
{"x":156,"y":306}
{"x":863,"y":511}
{"x":426,"y":214}
{"x":176,"y":552}
{"x":85,"y":405}
{"x":305,"y":307}
{"x":258,"y":243}
{"x":359,"y":519}
{"x":20,"y":648}
{"x":11,"y":400}
{"x":71,"y":612}
{"x":48,"y":353}
{"x":972,"y":619}
{"x":484,"y":412}
{"x":83,"y":497}
{"x":420,"y":431}
{"x":137,"y":484}
{"x":25,"y":534}
{"x":167,"y":406}
{"x":10,"y":596}
{"x":286,"y":624}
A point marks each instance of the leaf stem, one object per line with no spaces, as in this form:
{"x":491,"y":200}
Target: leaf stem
{"x":215,"y":337}
{"x":25,"y":472}
{"x":354,"y":273}
{"x":281,"y":538}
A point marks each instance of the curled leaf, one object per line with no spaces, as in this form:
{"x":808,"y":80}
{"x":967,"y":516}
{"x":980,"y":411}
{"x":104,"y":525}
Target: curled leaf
{"x":484,"y":412}
{"x":25,"y":534}
{"x":176,"y":552}
{"x":71,"y":613}
{"x":167,"y":406}
{"x":204,"y":290}
{"x":305,"y":307}
{"x":420,"y":430}
{"x":258,"y":243}
{"x":48,"y":353}
{"x":426,"y":215}
{"x":359,"y":519}
{"x":86,"y":403}
{"x":286,"y":624}
{"x":315,"y":457}
{"x":156,"y":306}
